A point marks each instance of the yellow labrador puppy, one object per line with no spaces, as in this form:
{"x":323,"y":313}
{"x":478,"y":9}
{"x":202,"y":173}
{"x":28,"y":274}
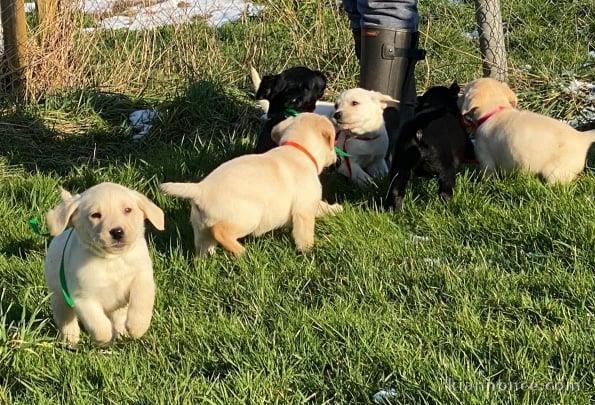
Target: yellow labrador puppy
{"x":362,"y":134}
{"x":507,"y":138}
{"x":99,"y":269}
{"x":254,"y":194}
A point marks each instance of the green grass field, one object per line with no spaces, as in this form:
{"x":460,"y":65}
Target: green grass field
{"x":489,"y":298}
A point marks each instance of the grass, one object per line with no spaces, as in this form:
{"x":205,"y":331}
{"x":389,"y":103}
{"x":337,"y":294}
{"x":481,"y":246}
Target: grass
{"x":444,"y":303}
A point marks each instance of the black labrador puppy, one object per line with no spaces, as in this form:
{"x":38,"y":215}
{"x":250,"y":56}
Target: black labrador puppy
{"x":433,"y":143}
{"x":290,"y":92}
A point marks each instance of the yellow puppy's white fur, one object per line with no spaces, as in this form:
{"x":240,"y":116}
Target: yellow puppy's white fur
{"x":110,"y":281}
{"x":514,"y":138}
{"x":254,"y":194}
{"x":362,"y":133}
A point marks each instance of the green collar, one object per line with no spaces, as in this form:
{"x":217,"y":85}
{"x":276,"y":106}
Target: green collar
{"x":36,"y":228}
{"x":290,"y":112}
{"x":63,"y":284}
{"x":341,"y":153}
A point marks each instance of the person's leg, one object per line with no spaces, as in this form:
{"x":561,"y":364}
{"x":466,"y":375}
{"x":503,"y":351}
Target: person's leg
{"x":395,"y":14}
{"x":350,"y":7}
{"x":389,"y":52}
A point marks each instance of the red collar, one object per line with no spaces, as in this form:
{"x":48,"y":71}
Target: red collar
{"x":485,"y":117}
{"x":349,"y":134}
{"x":363,"y":138}
{"x":302,"y":149}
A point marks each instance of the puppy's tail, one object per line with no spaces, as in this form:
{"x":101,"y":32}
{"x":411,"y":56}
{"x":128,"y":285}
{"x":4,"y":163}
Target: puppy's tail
{"x":255,"y":77}
{"x":189,"y":191}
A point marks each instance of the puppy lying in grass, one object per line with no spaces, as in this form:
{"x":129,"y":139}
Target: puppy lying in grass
{"x":507,"y":138}
{"x":362,"y":134}
{"x":432,"y":143}
{"x":257,"y":193}
{"x":99,"y":269}
{"x":286,"y":94}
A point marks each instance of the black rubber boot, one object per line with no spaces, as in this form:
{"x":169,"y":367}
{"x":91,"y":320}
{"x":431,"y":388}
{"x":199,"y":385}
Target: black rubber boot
{"x":357,"y":42}
{"x":387,"y":65}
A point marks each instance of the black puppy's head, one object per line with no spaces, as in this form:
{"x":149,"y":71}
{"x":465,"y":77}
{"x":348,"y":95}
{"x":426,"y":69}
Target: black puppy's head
{"x":298,"y":88}
{"x":439,"y":97}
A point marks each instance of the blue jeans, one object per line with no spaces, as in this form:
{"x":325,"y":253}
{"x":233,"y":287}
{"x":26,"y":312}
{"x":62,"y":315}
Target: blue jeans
{"x":400,"y":14}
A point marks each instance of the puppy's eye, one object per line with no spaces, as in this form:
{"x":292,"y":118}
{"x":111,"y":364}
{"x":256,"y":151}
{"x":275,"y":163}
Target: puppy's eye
{"x":354,"y":103}
{"x":96,"y":215}
{"x":127,"y":210}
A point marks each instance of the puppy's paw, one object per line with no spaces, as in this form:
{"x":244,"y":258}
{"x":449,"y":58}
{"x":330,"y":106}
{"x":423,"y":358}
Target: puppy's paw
{"x":445,"y":196}
{"x":304,"y":245}
{"x":393,"y":203}
{"x":362,"y":178}
{"x":120,"y":330}
{"x":379,"y":170}
{"x":70,"y":335}
{"x":325,"y":209}
{"x":238,"y":251}
{"x":334,"y":209}
{"x":103,"y":337}
{"x":118,"y":318}
{"x":137,"y":325}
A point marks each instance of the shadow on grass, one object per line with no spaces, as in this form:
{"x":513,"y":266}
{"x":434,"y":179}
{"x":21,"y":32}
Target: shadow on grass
{"x":49,"y":142}
{"x":21,"y":248}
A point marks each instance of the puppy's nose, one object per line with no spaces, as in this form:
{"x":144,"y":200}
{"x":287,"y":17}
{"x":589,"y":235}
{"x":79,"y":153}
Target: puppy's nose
{"x":337,"y":115}
{"x":117,"y":233}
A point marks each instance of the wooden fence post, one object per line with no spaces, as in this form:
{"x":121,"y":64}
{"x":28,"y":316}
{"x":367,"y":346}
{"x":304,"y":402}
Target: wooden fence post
{"x":46,"y":13}
{"x":15,"y":38}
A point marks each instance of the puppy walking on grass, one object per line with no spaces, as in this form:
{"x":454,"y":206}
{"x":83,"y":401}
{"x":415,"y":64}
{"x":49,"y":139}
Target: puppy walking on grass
{"x":99,"y":270}
{"x":257,"y":193}
{"x":507,"y":138}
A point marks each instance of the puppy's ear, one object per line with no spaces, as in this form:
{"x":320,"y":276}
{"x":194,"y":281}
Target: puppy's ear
{"x":152,"y":212}
{"x":383,"y":99}
{"x":328,"y":133}
{"x":466,"y":102}
{"x":58,"y":218}
{"x":454,"y":88}
{"x":512,"y":98}
{"x":266,"y":90}
{"x":319,"y":84}
{"x":279,"y":129}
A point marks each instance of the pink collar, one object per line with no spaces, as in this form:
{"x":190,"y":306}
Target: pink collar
{"x":489,"y":115}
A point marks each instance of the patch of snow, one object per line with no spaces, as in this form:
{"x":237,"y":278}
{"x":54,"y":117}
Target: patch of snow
{"x":29,"y":7}
{"x":419,"y":238}
{"x":471,"y":36}
{"x":97,"y":6}
{"x":585,"y":117}
{"x":432,"y":261}
{"x":578,"y":86}
{"x":141,"y":121}
{"x":385,"y":397}
{"x":171,"y":12}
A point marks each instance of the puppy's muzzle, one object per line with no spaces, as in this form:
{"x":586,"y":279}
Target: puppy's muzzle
{"x":337,"y":115}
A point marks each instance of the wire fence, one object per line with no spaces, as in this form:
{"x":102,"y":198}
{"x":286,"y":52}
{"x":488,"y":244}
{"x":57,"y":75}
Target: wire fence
{"x":127,"y":45}
{"x":491,"y":38}
{"x":38,"y":27}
